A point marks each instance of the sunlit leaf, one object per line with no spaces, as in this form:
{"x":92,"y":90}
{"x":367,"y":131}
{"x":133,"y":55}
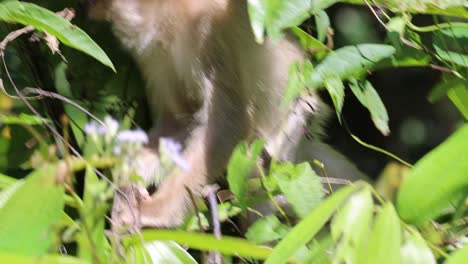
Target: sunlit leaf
{"x":301,"y":186}
{"x":43,"y":259}
{"x":383,"y":246}
{"x":351,"y":226}
{"x":226,"y":245}
{"x":435,"y":180}
{"x":240,"y":167}
{"x":273,"y":16}
{"x":415,"y":250}
{"x":306,"y":229}
{"x":167,"y":252}
{"x":45,"y":20}
{"x":459,"y":257}
{"x":323,"y":23}
{"x":266,"y":229}
{"x":27,"y":219}
{"x":349,"y":61}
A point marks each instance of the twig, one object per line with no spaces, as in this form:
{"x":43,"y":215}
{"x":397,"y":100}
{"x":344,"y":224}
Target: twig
{"x":210,"y":192}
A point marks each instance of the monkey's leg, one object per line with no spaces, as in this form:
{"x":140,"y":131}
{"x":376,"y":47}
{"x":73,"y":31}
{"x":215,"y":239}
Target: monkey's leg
{"x":207,"y":151}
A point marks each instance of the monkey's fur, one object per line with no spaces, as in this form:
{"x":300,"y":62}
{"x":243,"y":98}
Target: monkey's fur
{"x":211,"y":85}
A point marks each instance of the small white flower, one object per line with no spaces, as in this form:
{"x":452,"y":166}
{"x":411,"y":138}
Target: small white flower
{"x":132,"y":136}
{"x":91,"y":128}
{"x":111,"y":126}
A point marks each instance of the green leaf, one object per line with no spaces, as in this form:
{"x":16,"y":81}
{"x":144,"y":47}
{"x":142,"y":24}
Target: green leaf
{"x":273,"y":16}
{"x":167,"y":252}
{"x":351,"y":226}
{"x":459,"y":257}
{"x":459,"y":97}
{"x":440,"y":7}
{"x":451,"y":44}
{"x":349,"y":61}
{"x":435,"y":180}
{"x":370,"y":99}
{"x":323,"y":23}
{"x":306,"y":229}
{"x":47,"y":21}
{"x":335,"y":88}
{"x":27,"y":219}
{"x":266,"y":229}
{"x":384,"y":242}
{"x":226,"y":245}
{"x":240,"y":168}
{"x":415,"y":250}
{"x":301,"y":186}
{"x":43,"y":259}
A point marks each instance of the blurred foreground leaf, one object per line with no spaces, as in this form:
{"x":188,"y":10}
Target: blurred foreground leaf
{"x":27,"y":219}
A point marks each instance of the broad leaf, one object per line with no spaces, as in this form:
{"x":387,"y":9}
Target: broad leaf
{"x":305,"y":230}
{"x":351,"y":226}
{"x":435,"y":180}
{"x":451,"y":44}
{"x":459,"y":257}
{"x":226,"y":245}
{"x":383,"y":246}
{"x":301,"y":186}
{"x":45,"y":20}
{"x":266,"y":229}
{"x":240,"y":168}
{"x":349,"y":61}
{"x":43,"y":259}
{"x":27,"y":219}
{"x":415,"y":250}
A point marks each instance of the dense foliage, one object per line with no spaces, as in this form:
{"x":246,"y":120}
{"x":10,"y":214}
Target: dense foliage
{"x":60,"y":172}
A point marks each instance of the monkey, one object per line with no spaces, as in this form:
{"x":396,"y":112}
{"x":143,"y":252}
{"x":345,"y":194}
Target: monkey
{"x":210,"y":85}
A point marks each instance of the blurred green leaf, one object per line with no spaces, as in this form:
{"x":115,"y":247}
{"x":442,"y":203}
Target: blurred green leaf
{"x":45,"y":20}
{"x":435,"y":180}
{"x":301,"y":186}
{"x":273,"y":16}
{"x":266,"y":229}
{"x":440,"y":7}
{"x":335,"y":88}
{"x":323,"y":23}
{"x":351,"y":226}
{"x":459,"y":97}
{"x":384,"y":242}
{"x":240,"y":167}
{"x":167,"y":252}
{"x":451,"y":44}
{"x":226,"y":245}
{"x":27,"y":219}
{"x":43,"y":259}
{"x":370,"y":99}
{"x":6,"y":181}
{"x":306,"y":229}
{"x":415,"y":250}
{"x":349,"y":61}
{"x":459,"y":257}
